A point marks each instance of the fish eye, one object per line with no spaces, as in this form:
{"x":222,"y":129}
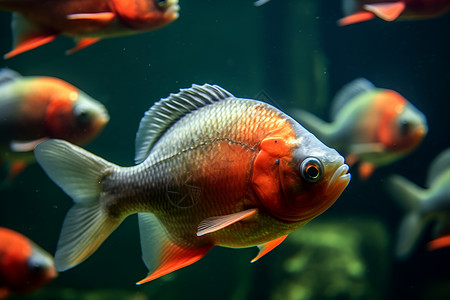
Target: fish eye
{"x":405,"y":127}
{"x":311,"y":169}
{"x":82,"y":114}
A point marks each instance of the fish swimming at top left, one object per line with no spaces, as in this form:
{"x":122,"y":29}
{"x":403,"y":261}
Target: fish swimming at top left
{"x":35,"y":108}
{"x":36,"y":22}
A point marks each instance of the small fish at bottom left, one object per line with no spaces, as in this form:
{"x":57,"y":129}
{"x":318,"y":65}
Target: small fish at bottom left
{"x":24,"y":266}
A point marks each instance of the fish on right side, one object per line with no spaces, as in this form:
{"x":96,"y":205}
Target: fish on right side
{"x":372,"y":126}
{"x":390,"y":10}
{"x":424,"y":206}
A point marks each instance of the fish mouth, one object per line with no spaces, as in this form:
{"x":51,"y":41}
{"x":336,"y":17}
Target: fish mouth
{"x":339,"y":181}
{"x":173,"y":9}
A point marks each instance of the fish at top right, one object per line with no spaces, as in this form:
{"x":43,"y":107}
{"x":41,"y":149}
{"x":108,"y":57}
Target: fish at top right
{"x":371,"y":126}
{"x":356,"y":11}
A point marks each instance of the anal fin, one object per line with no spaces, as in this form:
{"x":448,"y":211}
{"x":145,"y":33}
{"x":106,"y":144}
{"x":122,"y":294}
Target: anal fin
{"x":160,"y":254}
{"x":216,"y":223}
{"x":267,"y":247}
{"x":82,"y":43}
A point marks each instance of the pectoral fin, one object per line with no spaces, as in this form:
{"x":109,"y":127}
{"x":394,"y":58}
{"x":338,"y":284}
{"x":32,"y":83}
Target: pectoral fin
{"x":82,"y":43}
{"x":267,"y":247}
{"x":25,"y":146}
{"x":216,"y":223}
{"x":103,"y":16}
{"x":386,"y":11}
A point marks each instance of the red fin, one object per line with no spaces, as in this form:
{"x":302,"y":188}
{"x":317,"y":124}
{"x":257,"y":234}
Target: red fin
{"x":4,"y":292}
{"x":356,"y":18}
{"x":267,"y":247}
{"x":439,"y":243}
{"x":216,"y":223}
{"x":82,"y":43}
{"x":386,"y":11}
{"x":30,"y":42}
{"x":174,"y":257}
{"x":365,"y":170}
{"x":103,"y":16}
{"x":16,"y":168}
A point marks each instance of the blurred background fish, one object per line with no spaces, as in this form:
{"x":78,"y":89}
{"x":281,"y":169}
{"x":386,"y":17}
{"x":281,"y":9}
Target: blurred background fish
{"x":209,"y":172}
{"x":36,"y":23}
{"x":35,"y":108}
{"x":424,"y":206}
{"x":389,"y":10}
{"x":370,"y":125}
{"x":24,"y":266}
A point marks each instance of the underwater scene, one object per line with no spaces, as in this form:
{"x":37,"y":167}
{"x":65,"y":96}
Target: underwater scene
{"x":180,"y":149}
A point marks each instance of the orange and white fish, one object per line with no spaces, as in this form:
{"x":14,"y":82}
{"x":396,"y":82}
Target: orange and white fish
{"x":34,"y":108}
{"x":370,"y":125}
{"x":24,"y":266}
{"x":212,"y":169}
{"x":424,"y":206}
{"x":390,"y":10}
{"x":36,"y":22}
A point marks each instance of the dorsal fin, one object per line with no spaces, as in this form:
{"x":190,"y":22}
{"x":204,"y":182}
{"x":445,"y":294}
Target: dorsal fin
{"x":439,"y":165}
{"x":7,"y":75}
{"x":166,"y":112}
{"x":348,"y":92}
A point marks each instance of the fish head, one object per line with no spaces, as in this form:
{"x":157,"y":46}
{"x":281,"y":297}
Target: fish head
{"x":146,"y":14}
{"x":89,"y":118}
{"x":41,"y":269}
{"x":72,"y":115}
{"x":301,"y":181}
{"x":403,"y":126}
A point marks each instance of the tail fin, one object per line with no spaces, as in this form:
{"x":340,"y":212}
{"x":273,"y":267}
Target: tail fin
{"x":321,"y":129}
{"x":79,"y":173}
{"x":411,"y":197}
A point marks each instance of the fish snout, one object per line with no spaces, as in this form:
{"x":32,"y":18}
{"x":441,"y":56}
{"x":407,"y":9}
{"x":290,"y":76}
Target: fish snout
{"x":338,"y":181}
{"x":172,"y":11}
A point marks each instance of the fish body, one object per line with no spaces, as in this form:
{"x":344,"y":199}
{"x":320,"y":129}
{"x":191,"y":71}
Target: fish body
{"x":370,"y":125}
{"x":390,"y":10}
{"x":34,"y":108}
{"x":424,"y":206}
{"x":38,"y":22}
{"x":24,"y":266}
{"x":211,"y":170}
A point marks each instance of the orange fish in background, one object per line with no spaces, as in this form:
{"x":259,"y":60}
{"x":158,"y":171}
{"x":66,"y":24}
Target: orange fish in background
{"x":24,"y":266}
{"x":34,"y":108}
{"x":36,"y":22}
{"x":370,"y":125}
{"x":212,"y":169}
{"x":389,"y":10}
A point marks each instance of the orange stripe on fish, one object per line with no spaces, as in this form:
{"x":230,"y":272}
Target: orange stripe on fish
{"x":439,"y":243}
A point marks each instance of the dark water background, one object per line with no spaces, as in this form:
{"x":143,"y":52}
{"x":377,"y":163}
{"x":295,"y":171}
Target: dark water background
{"x":245,"y":50}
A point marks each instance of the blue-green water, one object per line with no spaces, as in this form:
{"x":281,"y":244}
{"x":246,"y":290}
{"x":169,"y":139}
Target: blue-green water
{"x":297,"y":55}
